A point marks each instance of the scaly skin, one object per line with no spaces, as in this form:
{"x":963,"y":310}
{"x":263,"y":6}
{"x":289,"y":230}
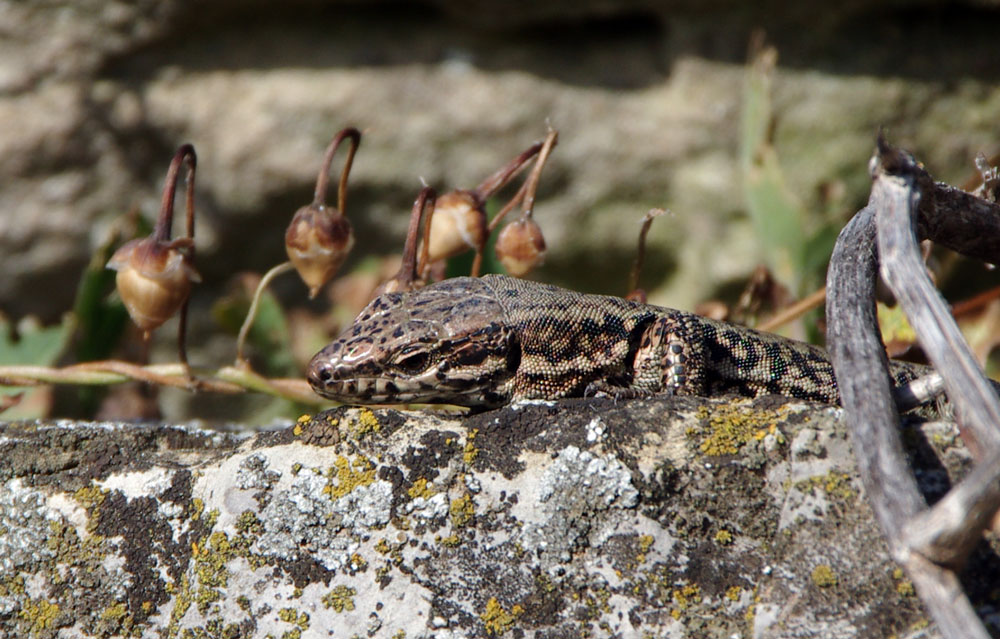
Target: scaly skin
{"x":484,"y":342}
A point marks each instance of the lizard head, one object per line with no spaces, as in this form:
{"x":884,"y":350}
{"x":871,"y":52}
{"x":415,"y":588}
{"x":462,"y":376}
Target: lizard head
{"x":446,"y":343}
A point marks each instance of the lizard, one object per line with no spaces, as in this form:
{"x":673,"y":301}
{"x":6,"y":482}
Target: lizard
{"x":485,"y":342}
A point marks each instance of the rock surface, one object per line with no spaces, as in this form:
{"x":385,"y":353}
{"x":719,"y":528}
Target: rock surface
{"x":668,"y":517}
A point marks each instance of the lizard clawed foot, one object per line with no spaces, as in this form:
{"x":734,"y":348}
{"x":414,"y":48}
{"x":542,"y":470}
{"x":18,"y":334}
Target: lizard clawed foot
{"x":601,"y":388}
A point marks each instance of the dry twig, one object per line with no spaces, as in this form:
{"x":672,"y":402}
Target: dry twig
{"x":930,"y":543}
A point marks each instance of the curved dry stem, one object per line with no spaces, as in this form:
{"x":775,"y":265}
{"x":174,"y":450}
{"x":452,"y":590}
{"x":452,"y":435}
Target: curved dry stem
{"x":531,"y":184}
{"x":164,"y":222}
{"x":185,"y":154}
{"x":499,"y":179}
{"x":974,"y":304}
{"x":793,"y":312}
{"x":319,"y":198}
{"x":425,"y":246}
{"x":640,"y":254}
{"x":477,"y":261}
{"x":507,"y":208}
{"x":423,"y":205}
{"x":241,"y":361}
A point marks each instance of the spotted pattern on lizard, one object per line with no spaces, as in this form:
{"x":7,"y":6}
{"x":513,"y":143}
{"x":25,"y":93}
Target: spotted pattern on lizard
{"x":488,"y":341}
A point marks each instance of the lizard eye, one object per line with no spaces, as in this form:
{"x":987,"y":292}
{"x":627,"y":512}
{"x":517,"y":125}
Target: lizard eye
{"x":412,"y":363}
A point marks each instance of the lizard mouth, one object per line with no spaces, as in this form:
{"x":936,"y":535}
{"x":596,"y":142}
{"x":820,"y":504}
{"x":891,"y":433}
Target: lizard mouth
{"x":356,"y":389}
{"x":377,"y":390}
{"x":342,"y":384}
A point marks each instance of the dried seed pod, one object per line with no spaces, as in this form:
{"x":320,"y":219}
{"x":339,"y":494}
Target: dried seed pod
{"x":154,"y":279}
{"x":457,"y":225}
{"x":318,"y":241}
{"x":319,"y":237}
{"x":155,"y":274}
{"x":521,"y":247}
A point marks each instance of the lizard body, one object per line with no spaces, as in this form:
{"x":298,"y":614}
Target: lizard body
{"x":487,"y":341}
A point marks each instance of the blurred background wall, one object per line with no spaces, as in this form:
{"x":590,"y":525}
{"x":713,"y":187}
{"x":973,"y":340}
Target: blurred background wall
{"x":648,"y":97}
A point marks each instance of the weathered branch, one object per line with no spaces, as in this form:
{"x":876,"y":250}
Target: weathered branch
{"x":929,"y":543}
{"x":862,"y":370}
{"x":903,"y":270}
{"x":946,"y":533}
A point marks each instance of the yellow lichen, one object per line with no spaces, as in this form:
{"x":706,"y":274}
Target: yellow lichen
{"x":212,"y":517}
{"x":248,"y":523}
{"x":645,"y":543}
{"x":469,"y":451}
{"x":905,"y":588}
{"x":297,"y":430}
{"x":421,"y":488}
{"x":733,"y":593}
{"x":367,"y":422}
{"x":451,"y":540}
{"x":358,"y":562}
{"x":823,"y":576}
{"x":39,"y":614}
{"x":686,"y":596}
{"x":461,"y":510}
{"x":496,"y":619}
{"x":197,"y":507}
{"x":341,"y":598}
{"x":731,"y":427}
{"x":723,"y":537}
{"x":211,"y":566}
{"x":834,"y":483}
{"x":349,"y":476}
{"x":289,"y":615}
{"x":305,"y":417}
{"x":90,"y":495}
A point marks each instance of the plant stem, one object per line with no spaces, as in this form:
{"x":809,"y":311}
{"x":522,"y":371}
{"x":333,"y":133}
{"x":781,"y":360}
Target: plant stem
{"x":252,"y":313}
{"x":319,"y":198}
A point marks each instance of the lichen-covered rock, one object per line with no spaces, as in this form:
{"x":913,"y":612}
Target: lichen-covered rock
{"x":668,"y":517}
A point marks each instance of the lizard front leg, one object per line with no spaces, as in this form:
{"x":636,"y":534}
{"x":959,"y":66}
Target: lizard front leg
{"x":663,"y":357}
{"x":670,"y":359}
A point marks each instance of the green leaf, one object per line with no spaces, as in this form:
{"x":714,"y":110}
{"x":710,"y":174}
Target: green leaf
{"x":99,"y":313}
{"x":100,"y":317}
{"x":269,"y":339}
{"x":36,"y":346}
{"x":778,"y":217}
{"x":32,"y":344}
